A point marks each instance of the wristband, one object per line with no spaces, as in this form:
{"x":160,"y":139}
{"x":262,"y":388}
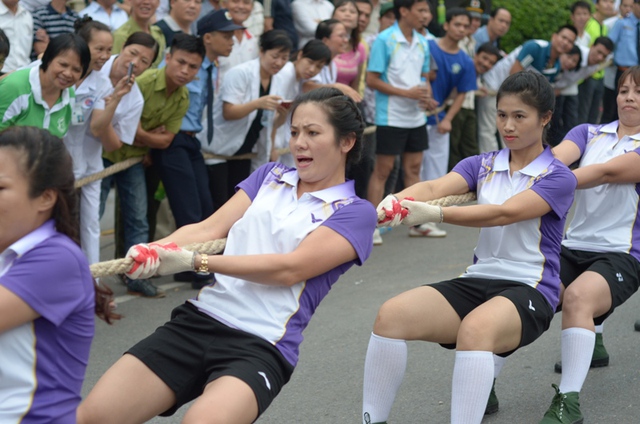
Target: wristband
{"x":203,"y":269}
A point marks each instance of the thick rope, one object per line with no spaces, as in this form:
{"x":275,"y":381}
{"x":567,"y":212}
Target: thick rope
{"x":455,"y":199}
{"x":120,"y":266}
{"x":113,"y":169}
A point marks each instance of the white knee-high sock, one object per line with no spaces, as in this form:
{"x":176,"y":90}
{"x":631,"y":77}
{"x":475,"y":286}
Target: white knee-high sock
{"x":577,"y":349}
{"x":498,"y":363}
{"x":599,"y":328}
{"x":384,"y":368}
{"x":472,"y":379}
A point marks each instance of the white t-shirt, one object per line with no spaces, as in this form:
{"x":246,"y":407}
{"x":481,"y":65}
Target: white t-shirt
{"x":243,"y":51}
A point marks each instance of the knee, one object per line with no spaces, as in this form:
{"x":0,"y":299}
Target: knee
{"x":474,"y":334}
{"x":574,"y":298}
{"x":388,"y":323}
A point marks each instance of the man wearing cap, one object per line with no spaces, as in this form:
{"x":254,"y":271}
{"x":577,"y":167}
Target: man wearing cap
{"x":181,"y":165}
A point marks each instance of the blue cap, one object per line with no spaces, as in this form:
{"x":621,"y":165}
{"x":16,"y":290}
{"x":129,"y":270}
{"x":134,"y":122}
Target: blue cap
{"x":217,"y":20}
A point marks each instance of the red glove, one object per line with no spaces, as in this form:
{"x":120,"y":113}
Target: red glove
{"x":391,"y":212}
{"x":145,"y":261}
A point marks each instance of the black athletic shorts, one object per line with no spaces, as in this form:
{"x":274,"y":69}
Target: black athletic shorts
{"x":620,"y":270}
{"x":466,"y":294}
{"x":396,"y":141}
{"x":193,"y":349}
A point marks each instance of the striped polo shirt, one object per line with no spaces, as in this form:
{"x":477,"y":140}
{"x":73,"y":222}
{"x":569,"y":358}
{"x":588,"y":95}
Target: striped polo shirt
{"x":54,"y":23}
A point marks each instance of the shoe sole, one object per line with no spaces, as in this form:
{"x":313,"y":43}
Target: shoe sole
{"x":426,"y":235}
{"x":159,"y":295}
{"x":596,"y":363}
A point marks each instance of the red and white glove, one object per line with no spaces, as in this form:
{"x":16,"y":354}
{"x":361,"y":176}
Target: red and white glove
{"x":145,"y":261}
{"x":173,"y":259}
{"x":420,"y":212}
{"x":390,"y":211}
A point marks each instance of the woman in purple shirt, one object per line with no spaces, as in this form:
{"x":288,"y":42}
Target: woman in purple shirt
{"x":47,"y":297}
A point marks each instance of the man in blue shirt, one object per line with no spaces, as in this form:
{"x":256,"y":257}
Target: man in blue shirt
{"x":545,"y":56}
{"x":498,"y":25}
{"x":181,"y":165}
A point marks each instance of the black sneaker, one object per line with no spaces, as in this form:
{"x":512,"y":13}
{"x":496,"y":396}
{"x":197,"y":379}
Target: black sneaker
{"x":144,"y":288}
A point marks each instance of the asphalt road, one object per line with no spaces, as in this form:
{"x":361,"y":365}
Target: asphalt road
{"x":327,"y":384}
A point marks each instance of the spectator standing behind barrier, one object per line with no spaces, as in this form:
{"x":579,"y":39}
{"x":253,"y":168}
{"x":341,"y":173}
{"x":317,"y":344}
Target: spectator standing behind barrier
{"x":17,"y":24}
{"x":49,"y":21}
{"x":244,"y":108}
{"x":166,"y":100}
{"x":106,"y":11}
{"x":455,"y":71}
{"x":624,"y":35}
{"x":591,"y":90}
{"x":47,"y":294}
{"x":610,"y":89}
{"x":398,"y":70}
{"x":350,"y":63}
{"x":91,"y":118}
{"x":307,"y":14}
{"x":463,"y":140}
{"x":142,"y":12}
{"x":496,"y":28}
{"x":333,"y":33}
{"x":245,"y":44}
{"x":181,"y":166}
{"x":42,"y":96}
{"x":140,"y":50}
{"x":278,"y":14}
{"x":181,"y":18}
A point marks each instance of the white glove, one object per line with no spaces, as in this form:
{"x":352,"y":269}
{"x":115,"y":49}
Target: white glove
{"x":420,"y":213}
{"x":390,"y":212}
{"x":145,"y":262}
{"x":173,"y":259}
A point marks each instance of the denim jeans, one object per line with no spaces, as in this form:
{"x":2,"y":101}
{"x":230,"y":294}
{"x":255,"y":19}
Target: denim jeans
{"x":132,"y":191}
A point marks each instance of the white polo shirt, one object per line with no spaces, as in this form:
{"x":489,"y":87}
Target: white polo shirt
{"x":494,"y":78}
{"x":606,"y":217}
{"x":98,"y":13}
{"x":400,"y":64}
{"x":127,"y":115}
{"x":528,"y":251}
{"x":19,"y":31}
{"x":277,"y":222}
{"x":241,"y":85}
{"x":243,"y":51}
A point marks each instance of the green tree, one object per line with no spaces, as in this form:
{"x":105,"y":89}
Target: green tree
{"x":533,"y":19}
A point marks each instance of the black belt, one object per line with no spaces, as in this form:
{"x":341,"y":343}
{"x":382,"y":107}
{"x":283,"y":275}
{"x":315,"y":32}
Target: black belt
{"x":189,"y":133}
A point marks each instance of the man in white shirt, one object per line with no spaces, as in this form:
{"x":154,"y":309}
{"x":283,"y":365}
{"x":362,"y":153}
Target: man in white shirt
{"x":17,"y":24}
{"x":106,"y":11}
{"x":307,"y":14}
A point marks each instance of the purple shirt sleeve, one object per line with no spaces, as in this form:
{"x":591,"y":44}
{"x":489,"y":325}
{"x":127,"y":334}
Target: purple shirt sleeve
{"x":469,"y":168}
{"x":355,"y":222}
{"x":579,"y":136}
{"x":53,"y":278}
{"x":557,"y":186}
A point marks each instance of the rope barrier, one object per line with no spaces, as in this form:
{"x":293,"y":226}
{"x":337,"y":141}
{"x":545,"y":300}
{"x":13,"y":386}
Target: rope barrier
{"x":113,"y":169}
{"x":120,"y":266}
{"x":455,"y":199}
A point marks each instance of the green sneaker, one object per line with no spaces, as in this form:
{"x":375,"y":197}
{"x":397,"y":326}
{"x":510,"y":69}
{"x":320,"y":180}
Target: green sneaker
{"x":600,"y":357}
{"x":636,"y":326}
{"x":564,"y":409}
{"x":492,"y":404}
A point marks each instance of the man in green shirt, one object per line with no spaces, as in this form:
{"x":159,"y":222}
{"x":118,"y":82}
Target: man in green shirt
{"x":142,"y":13}
{"x":166,"y":101}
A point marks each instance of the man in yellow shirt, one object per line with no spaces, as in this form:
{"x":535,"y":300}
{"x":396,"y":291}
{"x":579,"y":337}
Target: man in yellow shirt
{"x":142,"y":13}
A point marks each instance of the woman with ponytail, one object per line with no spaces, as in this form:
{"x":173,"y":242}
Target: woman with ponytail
{"x":47,"y":294}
